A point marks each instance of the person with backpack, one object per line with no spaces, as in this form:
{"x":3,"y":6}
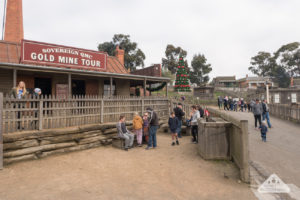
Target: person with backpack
{"x":257,"y":111}
{"x":137,"y":125}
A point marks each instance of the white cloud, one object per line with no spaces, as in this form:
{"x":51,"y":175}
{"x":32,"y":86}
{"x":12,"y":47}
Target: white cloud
{"x":228,"y":32}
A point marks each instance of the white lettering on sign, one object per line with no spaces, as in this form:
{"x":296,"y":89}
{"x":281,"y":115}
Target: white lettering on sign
{"x":67,"y":60}
{"x":42,"y":57}
{"x":93,"y":63}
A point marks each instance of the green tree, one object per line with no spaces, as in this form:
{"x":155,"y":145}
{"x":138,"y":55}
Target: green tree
{"x":261,"y":64}
{"x":133,"y":56}
{"x":171,"y":60}
{"x":200,"y":69}
{"x":288,"y":56}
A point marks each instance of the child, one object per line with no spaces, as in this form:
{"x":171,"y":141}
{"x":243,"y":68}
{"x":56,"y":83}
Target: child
{"x":173,"y":124}
{"x":146,"y":127}
{"x":263,"y":130}
{"x":137,"y":125}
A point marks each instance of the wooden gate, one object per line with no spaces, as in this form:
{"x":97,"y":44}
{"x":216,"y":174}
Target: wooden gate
{"x":1,"y":131}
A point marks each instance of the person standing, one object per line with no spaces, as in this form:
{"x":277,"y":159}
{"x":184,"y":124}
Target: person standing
{"x":173,"y":125}
{"x":146,"y":127}
{"x":179,"y":114}
{"x":154,"y":123}
{"x":263,"y":131}
{"x":230,"y":102}
{"x":242,"y":104}
{"x":19,"y":93}
{"x":265,"y":114}
{"x":124,"y":133}
{"x":257,"y":111}
{"x":201,"y":111}
{"x":195,"y":115}
{"x":137,"y":125}
{"x":226,"y":103}
{"x":220,"y":102}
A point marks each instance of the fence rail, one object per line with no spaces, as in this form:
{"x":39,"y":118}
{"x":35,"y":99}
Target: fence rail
{"x":49,"y":112}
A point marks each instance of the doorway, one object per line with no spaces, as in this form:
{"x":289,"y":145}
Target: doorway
{"x":78,"y":87}
{"x":44,"y":84}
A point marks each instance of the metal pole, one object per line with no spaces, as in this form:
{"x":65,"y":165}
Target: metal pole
{"x":1,"y":131}
{"x":4,"y":19}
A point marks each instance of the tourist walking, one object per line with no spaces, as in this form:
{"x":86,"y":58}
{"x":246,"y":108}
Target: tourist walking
{"x":154,"y":123}
{"x":235,"y":105}
{"x":137,"y":125}
{"x":265,"y":114}
{"x":201,"y":111}
{"x":242,"y":104}
{"x":263,"y":131}
{"x":195,"y":115}
{"x":124,"y":133}
{"x":230,"y":103}
{"x":173,"y":126}
{"x":257,"y":111}
{"x":179,"y":114}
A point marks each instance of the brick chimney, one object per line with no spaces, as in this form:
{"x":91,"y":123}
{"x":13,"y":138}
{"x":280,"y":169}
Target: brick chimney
{"x":14,"y":21}
{"x":119,"y":53}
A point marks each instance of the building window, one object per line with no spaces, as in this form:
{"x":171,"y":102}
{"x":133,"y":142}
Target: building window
{"x":294,"y":98}
{"x":106,"y":90}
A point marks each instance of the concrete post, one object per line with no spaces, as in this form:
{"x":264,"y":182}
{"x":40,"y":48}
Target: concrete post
{"x":244,"y":168}
{"x":1,"y":131}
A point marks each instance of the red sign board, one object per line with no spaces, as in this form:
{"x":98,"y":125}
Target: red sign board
{"x":62,"y":56}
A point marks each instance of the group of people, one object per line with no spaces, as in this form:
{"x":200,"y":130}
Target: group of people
{"x":144,"y":127}
{"x":259,"y":109}
{"x":235,"y":104}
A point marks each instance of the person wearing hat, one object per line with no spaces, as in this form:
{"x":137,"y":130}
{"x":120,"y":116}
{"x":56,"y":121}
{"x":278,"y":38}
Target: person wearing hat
{"x":179,"y":114}
{"x":257,"y":111}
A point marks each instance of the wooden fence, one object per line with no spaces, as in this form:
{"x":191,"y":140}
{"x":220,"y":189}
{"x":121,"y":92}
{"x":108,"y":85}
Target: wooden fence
{"x":287,"y":112}
{"x":49,"y":112}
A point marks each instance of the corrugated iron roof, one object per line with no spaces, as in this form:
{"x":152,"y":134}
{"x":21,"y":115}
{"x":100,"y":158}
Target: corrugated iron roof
{"x":11,"y":53}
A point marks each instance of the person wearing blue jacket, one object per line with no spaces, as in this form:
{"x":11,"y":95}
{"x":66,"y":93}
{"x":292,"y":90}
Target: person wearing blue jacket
{"x":173,"y":125}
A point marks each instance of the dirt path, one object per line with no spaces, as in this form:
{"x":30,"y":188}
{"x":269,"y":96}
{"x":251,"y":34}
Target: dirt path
{"x":108,"y":173}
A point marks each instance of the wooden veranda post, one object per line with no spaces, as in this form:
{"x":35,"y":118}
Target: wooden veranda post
{"x":102,"y":110}
{"x":70,"y":85}
{"x":144,"y":85}
{"x":1,"y":131}
{"x":14,"y":78}
{"x":167,"y":92}
{"x":40,"y":115}
{"x":110,"y":88}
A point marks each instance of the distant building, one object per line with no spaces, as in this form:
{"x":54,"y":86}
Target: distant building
{"x":204,"y":92}
{"x":295,"y":82}
{"x":254,"y":82}
{"x":224,"y":81}
{"x":285,"y":95}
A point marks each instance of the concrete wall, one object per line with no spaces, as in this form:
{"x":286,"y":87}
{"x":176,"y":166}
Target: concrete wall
{"x":238,"y":142}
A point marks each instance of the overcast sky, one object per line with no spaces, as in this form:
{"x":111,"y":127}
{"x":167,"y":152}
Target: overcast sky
{"x":227,"y":32}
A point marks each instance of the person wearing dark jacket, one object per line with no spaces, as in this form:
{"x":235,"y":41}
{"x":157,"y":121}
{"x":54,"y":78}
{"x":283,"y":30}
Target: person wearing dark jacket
{"x":201,"y":111}
{"x":173,"y":124}
{"x":154,"y":123}
{"x":179,"y":114}
{"x":265,"y":113}
{"x":257,"y":111}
